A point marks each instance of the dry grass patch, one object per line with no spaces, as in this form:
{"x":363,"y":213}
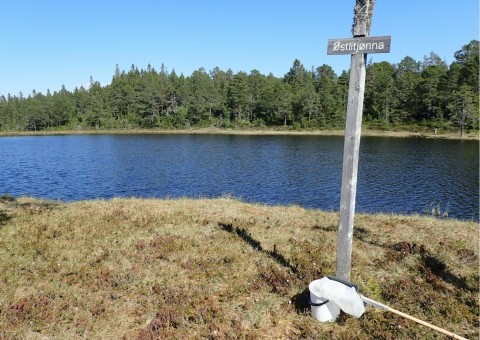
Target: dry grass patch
{"x":154,"y":269}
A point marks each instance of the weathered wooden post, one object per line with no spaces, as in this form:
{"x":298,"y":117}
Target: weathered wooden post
{"x":358,"y":47}
{"x":353,"y":128}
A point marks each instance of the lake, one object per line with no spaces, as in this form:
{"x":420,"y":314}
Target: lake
{"x":396,"y":175}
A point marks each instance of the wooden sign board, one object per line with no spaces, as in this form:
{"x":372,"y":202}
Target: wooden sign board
{"x":359,"y":45}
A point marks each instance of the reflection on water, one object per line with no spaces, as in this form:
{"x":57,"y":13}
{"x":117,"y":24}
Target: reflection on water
{"x":397,"y":175}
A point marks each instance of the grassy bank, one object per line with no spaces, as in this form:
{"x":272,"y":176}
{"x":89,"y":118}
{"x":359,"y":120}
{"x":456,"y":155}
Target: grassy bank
{"x":220,"y":268}
{"x":256,"y":131}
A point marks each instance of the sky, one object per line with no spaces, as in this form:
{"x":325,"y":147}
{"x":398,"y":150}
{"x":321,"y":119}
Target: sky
{"x":50,"y":43}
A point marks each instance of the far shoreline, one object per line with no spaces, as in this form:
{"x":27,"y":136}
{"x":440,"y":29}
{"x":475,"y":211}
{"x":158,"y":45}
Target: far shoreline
{"x":366,"y":132}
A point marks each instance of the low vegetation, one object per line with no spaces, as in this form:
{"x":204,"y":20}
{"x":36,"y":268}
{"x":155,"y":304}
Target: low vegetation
{"x":221,"y":268}
{"x":423,"y":133}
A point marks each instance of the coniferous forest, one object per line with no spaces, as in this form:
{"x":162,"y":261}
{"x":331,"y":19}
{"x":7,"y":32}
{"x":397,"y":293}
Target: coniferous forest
{"x":427,"y":93}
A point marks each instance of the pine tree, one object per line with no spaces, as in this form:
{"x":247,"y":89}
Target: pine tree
{"x":379,"y":92}
{"x":238,"y":97}
{"x":406,"y":78}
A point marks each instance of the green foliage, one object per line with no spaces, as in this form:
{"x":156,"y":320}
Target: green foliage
{"x":411,"y":94}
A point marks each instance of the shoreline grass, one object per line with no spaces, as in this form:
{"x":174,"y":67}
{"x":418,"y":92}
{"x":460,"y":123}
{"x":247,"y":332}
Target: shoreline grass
{"x":221,"y":268}
{"x":254,"y":131}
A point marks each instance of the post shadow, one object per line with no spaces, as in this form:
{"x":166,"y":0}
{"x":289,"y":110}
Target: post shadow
{"x":255,"y":244}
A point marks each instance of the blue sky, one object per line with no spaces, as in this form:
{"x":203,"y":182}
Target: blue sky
{"x":45,"y":44}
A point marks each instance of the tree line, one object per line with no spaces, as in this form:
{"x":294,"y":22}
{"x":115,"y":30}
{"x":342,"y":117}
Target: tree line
{"x":426,"y":93}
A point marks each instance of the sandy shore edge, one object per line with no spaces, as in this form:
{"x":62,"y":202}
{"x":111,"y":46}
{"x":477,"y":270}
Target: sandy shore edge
{"x":250,"y":132}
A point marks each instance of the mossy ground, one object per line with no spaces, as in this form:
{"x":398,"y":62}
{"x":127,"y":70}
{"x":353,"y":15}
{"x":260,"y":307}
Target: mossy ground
{"x":221,"y":268}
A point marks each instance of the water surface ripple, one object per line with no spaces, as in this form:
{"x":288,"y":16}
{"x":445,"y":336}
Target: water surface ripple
{"x":399,"y":175}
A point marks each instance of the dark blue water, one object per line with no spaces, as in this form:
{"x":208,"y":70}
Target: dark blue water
{"x":410,"y":175}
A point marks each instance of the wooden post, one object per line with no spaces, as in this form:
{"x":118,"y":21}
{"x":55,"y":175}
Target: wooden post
{"x":356,"y":89}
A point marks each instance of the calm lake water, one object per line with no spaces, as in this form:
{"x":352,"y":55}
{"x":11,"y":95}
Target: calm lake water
{"x":400,"y":175}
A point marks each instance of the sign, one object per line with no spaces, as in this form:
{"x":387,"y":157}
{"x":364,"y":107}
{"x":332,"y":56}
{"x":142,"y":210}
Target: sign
{"x":359,"y":45}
